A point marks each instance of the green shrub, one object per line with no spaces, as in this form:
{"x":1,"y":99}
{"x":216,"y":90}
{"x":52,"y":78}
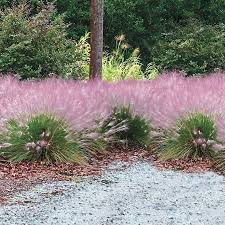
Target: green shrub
{"x":193,"y":49}
{"x":36,"y":46}
{"x":137,"y":131}
{"x":43,"y":137}
{"x":192,"y":137}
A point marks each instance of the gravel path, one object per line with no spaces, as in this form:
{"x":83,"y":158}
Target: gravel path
{"x":124,"y":195}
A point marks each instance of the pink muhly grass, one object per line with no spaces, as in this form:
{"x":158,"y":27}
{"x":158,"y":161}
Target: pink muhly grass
{"x":162,"y":100}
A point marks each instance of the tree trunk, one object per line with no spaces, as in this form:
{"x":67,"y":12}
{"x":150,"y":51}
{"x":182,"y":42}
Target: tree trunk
{"x":97,"y":10}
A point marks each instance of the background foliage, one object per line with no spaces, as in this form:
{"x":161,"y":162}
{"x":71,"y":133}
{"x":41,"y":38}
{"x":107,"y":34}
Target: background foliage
{"x":150,"y":23}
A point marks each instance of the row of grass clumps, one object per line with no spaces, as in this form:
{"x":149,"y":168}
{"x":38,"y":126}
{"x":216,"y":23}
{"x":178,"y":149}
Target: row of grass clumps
{"x":46,"y":137}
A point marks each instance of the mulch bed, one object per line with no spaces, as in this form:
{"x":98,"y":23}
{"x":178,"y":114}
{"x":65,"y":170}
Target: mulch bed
{"x":19,"y":177}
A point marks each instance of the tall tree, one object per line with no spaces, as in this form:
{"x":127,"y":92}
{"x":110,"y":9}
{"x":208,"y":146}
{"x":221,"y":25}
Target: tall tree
{"x":97,"y":11}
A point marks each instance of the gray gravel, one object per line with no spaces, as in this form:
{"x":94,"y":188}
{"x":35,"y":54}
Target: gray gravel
{"x":137,"y":194}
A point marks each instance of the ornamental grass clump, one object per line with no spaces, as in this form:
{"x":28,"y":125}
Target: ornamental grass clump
{"x":192,"y":137}
{"x":103,"y":135}
{"x":137,"y":127}
{"x":119,"y":65}
{"x":43,"y":137}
